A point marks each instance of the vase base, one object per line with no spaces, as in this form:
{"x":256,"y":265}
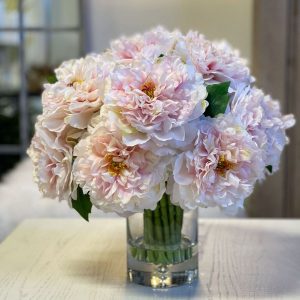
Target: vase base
{"x":158,"y":276}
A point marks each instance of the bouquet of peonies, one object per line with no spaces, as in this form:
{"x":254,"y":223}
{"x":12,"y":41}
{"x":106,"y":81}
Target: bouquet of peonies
{"x":157,"y":116}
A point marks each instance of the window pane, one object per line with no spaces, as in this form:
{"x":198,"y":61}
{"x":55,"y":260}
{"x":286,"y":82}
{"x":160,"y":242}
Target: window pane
{"x":38,"y":66}
{"x":64,"y":45}
{"x":59,"y":13}
{"x":9,"y":13}
{"x":59,"y":17}
{"x":9,"y":119}
{"x":34,"y":13}
{"x":44,"y":52}
{"x":9,"y":61}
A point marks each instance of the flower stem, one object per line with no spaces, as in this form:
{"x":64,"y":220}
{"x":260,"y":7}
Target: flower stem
{"x":159,"y":238}
{"x":162,"y":234}
{"x":165,"y":218}
{"x":178,"y":222}
{"x":171,"y":221}
{"x":148,"y":227}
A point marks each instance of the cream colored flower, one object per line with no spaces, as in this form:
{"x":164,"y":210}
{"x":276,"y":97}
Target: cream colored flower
{"x":221,"y":169}
{"x":117,"y":177}
{"x":52,"y":160}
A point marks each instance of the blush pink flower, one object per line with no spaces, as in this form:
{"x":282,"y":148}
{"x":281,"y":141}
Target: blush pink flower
{"x":77,"y":94}
{"x":262,"y":117}
{"x":217,"y":62}
{"x":52,"y":160}
{"x":117,"y":177}
{"x":55,"y":107}
{"x":150,"y":45}
{"x":220,"y":170}
{"x":127,"y":47}
{"x":155,"y":101}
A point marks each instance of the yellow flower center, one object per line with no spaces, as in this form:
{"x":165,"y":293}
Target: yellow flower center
{"x":223,"y":165}
{"x":115,"y":165}
{"x":148,"y":88}
{"x":75,"y":81}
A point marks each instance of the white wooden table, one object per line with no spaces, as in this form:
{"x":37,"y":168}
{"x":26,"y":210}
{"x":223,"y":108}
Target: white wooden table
{"x":71,"y":259}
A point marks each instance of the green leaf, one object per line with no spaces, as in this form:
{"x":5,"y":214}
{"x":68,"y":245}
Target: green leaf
{"x":161,"y":55}
{"x":83,"y":204}
{"x":217,"y":98}
{"x":269,"y":168}
{"x":52,"y":78}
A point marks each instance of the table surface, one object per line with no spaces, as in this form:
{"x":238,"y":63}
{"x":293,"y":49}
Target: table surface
{"x":72,"y":259}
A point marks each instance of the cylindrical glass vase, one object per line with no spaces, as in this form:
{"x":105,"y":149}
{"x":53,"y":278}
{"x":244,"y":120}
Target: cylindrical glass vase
{"x":162,"y":246}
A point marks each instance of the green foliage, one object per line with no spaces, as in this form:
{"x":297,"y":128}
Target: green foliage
{"x":83,"y":204}
{"x":52,"y":78}
{"x":217,"y":98}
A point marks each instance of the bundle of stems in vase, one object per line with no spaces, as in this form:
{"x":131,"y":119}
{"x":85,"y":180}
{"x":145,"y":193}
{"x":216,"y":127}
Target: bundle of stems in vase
{"x":162,"y":235}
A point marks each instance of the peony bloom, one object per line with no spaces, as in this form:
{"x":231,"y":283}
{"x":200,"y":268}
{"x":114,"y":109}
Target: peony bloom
{"x":126,"y":48}
{"x":117,"y":177}
{"x":216,"y":61}
{"x":55,"y":107}
{"x":150,"y":46}
{"x":155,"y":101}
{"x":52,"y":160}
{"x":77,"y":94}
{"x":221,"y":169}
{"x":261,"y":116}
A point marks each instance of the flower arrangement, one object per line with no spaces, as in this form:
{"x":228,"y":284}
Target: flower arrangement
{"x":157,"y":116}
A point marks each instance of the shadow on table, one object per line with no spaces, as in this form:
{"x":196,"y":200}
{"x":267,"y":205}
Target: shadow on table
{"x":248,"y":262}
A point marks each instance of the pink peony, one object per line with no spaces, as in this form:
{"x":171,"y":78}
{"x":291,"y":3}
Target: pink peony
{"x":261,"y":116}
{"x":155,"y":101}
{"x":117,"y":177}
{"x":52,"y":160}
{"x":77,"y":94}
{"x":216,"y":61}
{"x":55,"y":106}
{"x":150,"y":46}
{"x":221,"y":169}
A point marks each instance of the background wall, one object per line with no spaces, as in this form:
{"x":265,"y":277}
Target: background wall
{"x":276,"y":65}
{"x":218,"y":19}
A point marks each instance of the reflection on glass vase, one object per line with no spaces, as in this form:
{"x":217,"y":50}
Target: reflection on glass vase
{"x":162,"y":246}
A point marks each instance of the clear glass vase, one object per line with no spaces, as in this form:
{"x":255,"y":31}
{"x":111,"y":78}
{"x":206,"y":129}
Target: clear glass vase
{"x":162,"y":246}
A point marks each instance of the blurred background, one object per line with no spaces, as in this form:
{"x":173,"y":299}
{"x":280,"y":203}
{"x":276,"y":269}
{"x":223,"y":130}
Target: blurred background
{"x":37,"y":35}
